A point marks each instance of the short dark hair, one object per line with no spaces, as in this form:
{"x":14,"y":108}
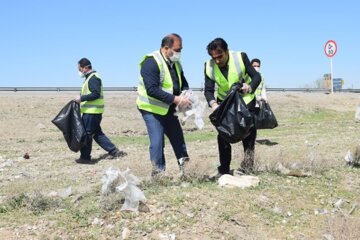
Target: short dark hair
{"x":84,"y":62}
{"x":256,"y":60}
{"x":176,"y":35}
{"x":217,"y":43}
{"x":169,"y":40}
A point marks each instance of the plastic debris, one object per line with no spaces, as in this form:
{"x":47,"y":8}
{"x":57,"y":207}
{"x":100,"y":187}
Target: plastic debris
{"x":349,"y":158}
{"x":244,"y":181}
{"x":123,"y":182}
{"x":197,"y":109}
{"x":357,"y":113}
{"x":64,"y":193}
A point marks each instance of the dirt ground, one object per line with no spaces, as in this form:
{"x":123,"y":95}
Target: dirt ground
{"x":315,"y":132}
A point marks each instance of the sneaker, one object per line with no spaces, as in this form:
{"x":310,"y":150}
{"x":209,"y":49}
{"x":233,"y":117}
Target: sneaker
{"x":83,"y":161}
{"x":214,"y":177}
{"x":238,"y":172}
{"x":155,"y":172}
{"x":243,"y":171}
{"x":182,"y":162}
{"x":117,"y":154}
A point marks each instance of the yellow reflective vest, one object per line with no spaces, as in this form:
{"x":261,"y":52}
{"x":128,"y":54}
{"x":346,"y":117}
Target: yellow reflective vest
{"x":148,"y":103}
{"x":94,"y":106}
{"x":236,"y":73}
{"x":260,"y":87}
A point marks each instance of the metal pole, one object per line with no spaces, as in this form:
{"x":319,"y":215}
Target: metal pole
{"x":331,"y":76}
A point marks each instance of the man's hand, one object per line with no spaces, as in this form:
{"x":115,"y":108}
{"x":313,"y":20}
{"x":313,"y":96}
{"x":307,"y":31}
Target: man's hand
{"x":214,"y":106}
{"x":182,"y":102}
{"x":77,"y":99}
{"x":246,"y":88}
{"x":260,"y":98}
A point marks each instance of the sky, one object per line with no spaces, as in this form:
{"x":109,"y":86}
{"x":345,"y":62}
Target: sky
{"x":42,"y":40}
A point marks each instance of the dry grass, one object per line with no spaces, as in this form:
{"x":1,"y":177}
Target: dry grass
{"x":315,"y":132}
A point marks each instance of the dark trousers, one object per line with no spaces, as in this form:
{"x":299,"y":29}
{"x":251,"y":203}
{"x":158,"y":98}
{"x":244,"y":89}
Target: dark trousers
{"x":249,"y":153}
{"x":93,"y":130}
{"x":158,"y":126}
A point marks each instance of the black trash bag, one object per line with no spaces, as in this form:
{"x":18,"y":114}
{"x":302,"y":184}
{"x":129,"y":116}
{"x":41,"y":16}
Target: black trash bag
{"x":232,"y":118}
{"x":70,"y":123}
{"x":265,"y":118}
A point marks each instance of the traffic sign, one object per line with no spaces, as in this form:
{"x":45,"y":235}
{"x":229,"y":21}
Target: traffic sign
{"x":330,"y":48}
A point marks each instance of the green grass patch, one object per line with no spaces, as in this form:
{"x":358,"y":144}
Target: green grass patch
{"x":320,"y":115}
{"x":198,"y":135}
{"x":134,"y":140}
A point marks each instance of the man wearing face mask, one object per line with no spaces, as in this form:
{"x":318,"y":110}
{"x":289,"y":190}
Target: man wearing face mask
{"x":161,"y":82}
{"x":224,"y":69}
{"x":260,"y":92}
{"x":91,"y":102}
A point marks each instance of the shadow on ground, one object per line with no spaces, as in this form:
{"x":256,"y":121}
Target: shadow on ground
{"x":266,"y":142}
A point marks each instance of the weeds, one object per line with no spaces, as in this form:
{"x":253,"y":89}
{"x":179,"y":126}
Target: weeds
{"x":111,"y":202}
{"x":342,"y":227}
{"x":17,"y":201}
{"x":36,"y":203}
{"x":3,"y":209}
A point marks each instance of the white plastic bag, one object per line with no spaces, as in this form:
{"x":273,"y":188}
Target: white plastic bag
{"x":349,"y":158}
{"x":357,"y":113}
{"x":123,"y":182}
{"x":197,"y":109}
{"x":110,"y":180}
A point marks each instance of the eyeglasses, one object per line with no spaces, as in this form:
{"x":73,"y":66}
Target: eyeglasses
{"x":256,"y":65}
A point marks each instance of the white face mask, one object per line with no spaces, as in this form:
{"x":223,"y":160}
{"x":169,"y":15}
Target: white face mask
{"x":175,"y":57}
{"x":82,"y":75}
{"x":257,"y":69}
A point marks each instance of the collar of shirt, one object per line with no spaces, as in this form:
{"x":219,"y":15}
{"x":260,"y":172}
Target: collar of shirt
{"x":168,"y":62}
{"x":225,"y":67}
{"x":89,"y":72}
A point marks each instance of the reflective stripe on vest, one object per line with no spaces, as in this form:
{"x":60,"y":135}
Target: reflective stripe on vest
{"x":260,"y":87}
{"x":94,"y":106}
{"x":236,"y":73}
{"x":148,"y":103}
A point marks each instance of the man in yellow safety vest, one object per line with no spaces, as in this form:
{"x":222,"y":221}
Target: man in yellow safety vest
{"x":224,"y":69}
{"x":161,"y":82}
{"x":260,"y":92}
{"x":91,"y":102}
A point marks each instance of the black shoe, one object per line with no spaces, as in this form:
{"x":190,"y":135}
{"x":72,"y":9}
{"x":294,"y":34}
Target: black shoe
{"x":243,"y":171}
{"x":214,"y":177}
{"x":83,"y":161}
{"x":155,"y":172}
{"x":238,"y":172}
{"x":117,"y":154}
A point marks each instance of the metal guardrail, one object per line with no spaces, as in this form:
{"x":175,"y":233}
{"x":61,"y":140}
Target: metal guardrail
{"x":61,"y":89}
{"x":350,"y":90}
{"x":324,"y":90}
{"x":129,"y":89}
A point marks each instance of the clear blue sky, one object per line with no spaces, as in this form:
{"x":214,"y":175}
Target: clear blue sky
{"x":41,"y":41}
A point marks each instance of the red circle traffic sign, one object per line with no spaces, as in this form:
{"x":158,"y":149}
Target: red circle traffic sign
{"x":330,"y":48}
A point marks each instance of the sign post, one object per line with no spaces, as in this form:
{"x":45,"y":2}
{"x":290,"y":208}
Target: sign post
{"x":330,"y":51}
